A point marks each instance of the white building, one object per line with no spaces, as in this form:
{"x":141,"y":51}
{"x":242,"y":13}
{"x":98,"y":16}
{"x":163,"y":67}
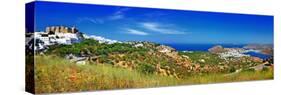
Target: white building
{"x":62,"y":35}
{"x":54,"y":35}
{"x":232,"y":53}
{"x":43,"y":37}
{"x":58,"y":38}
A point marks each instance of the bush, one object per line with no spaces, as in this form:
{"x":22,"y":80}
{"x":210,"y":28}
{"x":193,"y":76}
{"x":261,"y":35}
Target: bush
{"x":146,"y":68}
{"x":265,"y":69}
{"x":232,"y":69}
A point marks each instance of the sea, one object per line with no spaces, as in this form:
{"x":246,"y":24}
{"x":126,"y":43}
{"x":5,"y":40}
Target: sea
{"x":202,"y":47}
{"x":260,"y":55}
{"x":205,"y":47}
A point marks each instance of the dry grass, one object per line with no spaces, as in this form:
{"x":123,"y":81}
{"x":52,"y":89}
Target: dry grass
{"x":53,"y":74}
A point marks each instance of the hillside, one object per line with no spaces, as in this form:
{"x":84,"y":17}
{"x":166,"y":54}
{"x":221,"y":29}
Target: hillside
{"x":54,"y":74}
{"x":77,"y":62}
{"x":151,"y":58}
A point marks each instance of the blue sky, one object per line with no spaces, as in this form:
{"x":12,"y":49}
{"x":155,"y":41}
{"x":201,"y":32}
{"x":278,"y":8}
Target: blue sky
{"x":156,"y":25}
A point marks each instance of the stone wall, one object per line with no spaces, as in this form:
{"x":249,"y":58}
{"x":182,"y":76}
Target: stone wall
{"x":61,"y":29}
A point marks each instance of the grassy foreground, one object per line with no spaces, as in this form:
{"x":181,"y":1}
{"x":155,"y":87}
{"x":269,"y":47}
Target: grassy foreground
{"x":54,"y":74}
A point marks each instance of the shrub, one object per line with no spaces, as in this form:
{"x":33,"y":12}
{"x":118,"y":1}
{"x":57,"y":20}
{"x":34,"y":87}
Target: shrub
{"x":232,"y":69}
{"x":146,"y":68}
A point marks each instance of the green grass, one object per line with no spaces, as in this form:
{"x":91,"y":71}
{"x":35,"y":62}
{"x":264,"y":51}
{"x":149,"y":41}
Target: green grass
{"x":242,"y":76}
{"x":207,"y":56}
{"x":54,"y":74}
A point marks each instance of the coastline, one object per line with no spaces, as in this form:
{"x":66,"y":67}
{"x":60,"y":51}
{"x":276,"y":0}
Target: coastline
{"x":205,"y":47}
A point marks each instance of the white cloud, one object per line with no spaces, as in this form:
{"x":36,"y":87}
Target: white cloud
{"x":92,"y":20}
{"x":116,"y":17}
{"x":122,"y":10}
{"x":118,"y":14}
{"x":136,"y":32}
{"x":168,"y":29}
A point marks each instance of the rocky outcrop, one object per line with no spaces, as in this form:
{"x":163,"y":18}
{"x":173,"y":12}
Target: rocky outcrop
{"x":217,"y":49}
{"x":165,"y":49}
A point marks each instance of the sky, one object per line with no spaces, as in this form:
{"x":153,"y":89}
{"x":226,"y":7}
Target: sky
{"x":156,"y":25}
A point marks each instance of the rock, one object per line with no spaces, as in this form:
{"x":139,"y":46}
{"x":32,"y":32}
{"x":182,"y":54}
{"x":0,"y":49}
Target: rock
{"x":138,"y":45}
{"x":221,"y":67}
{"x":75,"y":59}
{"x":83,"y":62}
{"x":187,"y":57}
{"x":202,"y":60}
{"x":197,"y":67}
{"x":70,"y":56}
{"x":165,"y":49}
{"x":161,"y":71}
{"x":216,"y":49}
{"x":256,"y":59}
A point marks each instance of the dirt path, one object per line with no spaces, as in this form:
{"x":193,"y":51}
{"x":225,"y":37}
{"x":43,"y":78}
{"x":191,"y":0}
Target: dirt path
{"x":234,"y":73}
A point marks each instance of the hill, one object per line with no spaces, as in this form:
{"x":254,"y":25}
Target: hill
{"x":95,"y":63}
